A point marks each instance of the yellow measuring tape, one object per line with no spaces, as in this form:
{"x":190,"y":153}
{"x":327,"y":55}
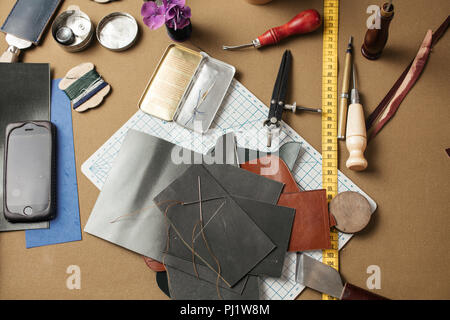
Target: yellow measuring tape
{"x":329,"y":119}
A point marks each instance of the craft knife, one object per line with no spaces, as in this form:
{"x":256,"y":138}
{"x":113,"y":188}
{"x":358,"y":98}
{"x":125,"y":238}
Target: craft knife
{"x":318,"y":276}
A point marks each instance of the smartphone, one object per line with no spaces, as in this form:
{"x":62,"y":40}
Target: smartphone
{"x":29,"y":172}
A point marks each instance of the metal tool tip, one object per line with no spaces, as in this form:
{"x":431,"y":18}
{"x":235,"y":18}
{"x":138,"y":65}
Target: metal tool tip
{"x":351,"y":40}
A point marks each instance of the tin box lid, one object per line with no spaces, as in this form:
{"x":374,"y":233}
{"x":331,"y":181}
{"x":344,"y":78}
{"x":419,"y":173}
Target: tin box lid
{"x":117,"y":31}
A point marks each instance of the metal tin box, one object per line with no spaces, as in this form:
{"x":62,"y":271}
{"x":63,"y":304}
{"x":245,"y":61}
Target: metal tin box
{"x":79,"y":24}
{"x":117,"y":31}
{"x":187,"y":87}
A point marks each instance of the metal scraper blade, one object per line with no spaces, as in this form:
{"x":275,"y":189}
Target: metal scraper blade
{"x":318,"y":276}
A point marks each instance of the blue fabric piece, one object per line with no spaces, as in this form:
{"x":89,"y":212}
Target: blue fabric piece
{"x":66,"y":226}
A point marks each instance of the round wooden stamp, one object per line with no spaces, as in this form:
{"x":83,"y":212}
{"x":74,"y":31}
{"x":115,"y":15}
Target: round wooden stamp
{"x":351,"y":211}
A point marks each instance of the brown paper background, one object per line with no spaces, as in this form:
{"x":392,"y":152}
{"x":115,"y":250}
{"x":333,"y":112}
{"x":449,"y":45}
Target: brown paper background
{"x":408,"y":166}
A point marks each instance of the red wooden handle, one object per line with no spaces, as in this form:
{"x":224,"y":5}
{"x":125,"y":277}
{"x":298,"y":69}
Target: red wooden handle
{"x":306,"y":21}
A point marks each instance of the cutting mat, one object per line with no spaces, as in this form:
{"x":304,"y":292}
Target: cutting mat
{"x":244,"y":114}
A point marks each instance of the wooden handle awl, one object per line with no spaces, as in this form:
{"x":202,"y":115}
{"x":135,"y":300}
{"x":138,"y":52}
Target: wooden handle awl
{"x":356,"y":138}
{"x":304,"y":22}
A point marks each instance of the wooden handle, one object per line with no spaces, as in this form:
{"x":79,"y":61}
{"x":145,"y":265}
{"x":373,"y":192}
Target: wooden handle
{"x":356,"y":138}
{"x":352,"y":292}
{"x":306,"y":21}
{"x":10,"y":55}
{"x":342,"y":117}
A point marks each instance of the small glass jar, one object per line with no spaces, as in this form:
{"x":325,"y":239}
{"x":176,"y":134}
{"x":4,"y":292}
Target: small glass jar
{"x":180,"y":35}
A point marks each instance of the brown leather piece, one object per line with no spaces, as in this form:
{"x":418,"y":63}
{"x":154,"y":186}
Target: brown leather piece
{"x":312,"y":222}
{"x":384,"y":103}
{"x":273,"y":167}
{"x":352,"y":292}
{"x":311,"y":228}
{"x":154,"y":265}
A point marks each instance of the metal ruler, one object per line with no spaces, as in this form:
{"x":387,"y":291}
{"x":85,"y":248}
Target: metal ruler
{"x":329,"y":119}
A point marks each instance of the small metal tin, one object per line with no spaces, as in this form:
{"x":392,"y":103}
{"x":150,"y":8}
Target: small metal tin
{"x":80,"y":26}
{"x":187,"y":87}
{"x":117,"y":31}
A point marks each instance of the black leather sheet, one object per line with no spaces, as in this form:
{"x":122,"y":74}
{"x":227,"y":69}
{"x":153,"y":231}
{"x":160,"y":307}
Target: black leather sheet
{"x":24,"y":95}
{"x":232,"y":237}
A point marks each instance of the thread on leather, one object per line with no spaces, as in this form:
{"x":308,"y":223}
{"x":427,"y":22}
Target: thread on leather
{"x":191,"y":247}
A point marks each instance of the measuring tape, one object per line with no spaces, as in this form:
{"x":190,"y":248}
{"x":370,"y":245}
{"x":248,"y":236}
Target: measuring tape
{"x":329,"y":119}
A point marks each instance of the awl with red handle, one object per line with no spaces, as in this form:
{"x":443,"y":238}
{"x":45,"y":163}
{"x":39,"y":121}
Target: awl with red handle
{"x":304,"y":22}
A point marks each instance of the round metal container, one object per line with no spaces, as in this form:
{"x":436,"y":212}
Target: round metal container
{"x":81,"y":26}
{"x":117,"y":31}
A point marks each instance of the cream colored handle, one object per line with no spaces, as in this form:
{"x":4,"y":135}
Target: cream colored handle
{"x":10,"y":55}
{"x":356,"y":141}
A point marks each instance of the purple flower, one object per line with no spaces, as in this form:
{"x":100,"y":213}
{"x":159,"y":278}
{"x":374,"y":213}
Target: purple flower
{"x":154,"y":16}
{"x":169,"y":3}
{"x":178,"y":17}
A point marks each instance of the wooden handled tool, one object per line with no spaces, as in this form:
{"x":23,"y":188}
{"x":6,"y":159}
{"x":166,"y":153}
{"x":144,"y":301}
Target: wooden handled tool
{"x":356,"y":132}
{"x":321,"y":277}
{"x":343,"y":102}
{"x":304,"y":22}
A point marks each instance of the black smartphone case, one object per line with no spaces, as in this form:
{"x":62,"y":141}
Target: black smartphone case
{"x":50,"y":212}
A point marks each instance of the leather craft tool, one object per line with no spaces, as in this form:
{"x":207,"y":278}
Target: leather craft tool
{"x":351,"y":211}
{"x":329,"y":119}
{"x":25,"y":25}
{"x":84,"y":86}
{"x":304,"y":22}
{"x":278,"y":101}
{"x":318,"y":276}
{"x":356,"y":132}
{"x":342,"y":120}
{"x":375,"y":39}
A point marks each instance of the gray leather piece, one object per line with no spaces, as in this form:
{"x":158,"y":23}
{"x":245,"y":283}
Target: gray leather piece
{"x":28,"y":19}
{"x":142,"y":169}
{"x":183,"y":286}
{"x":276,"y":222}
{"x":246,"y":184}
{"x":289,"y":151}
{"x":203,"y":272}
{"x":233,"y":239}
{"x":24,"y":95}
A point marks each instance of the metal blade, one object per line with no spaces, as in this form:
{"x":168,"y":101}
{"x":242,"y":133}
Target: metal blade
{"x":318,"y":276}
